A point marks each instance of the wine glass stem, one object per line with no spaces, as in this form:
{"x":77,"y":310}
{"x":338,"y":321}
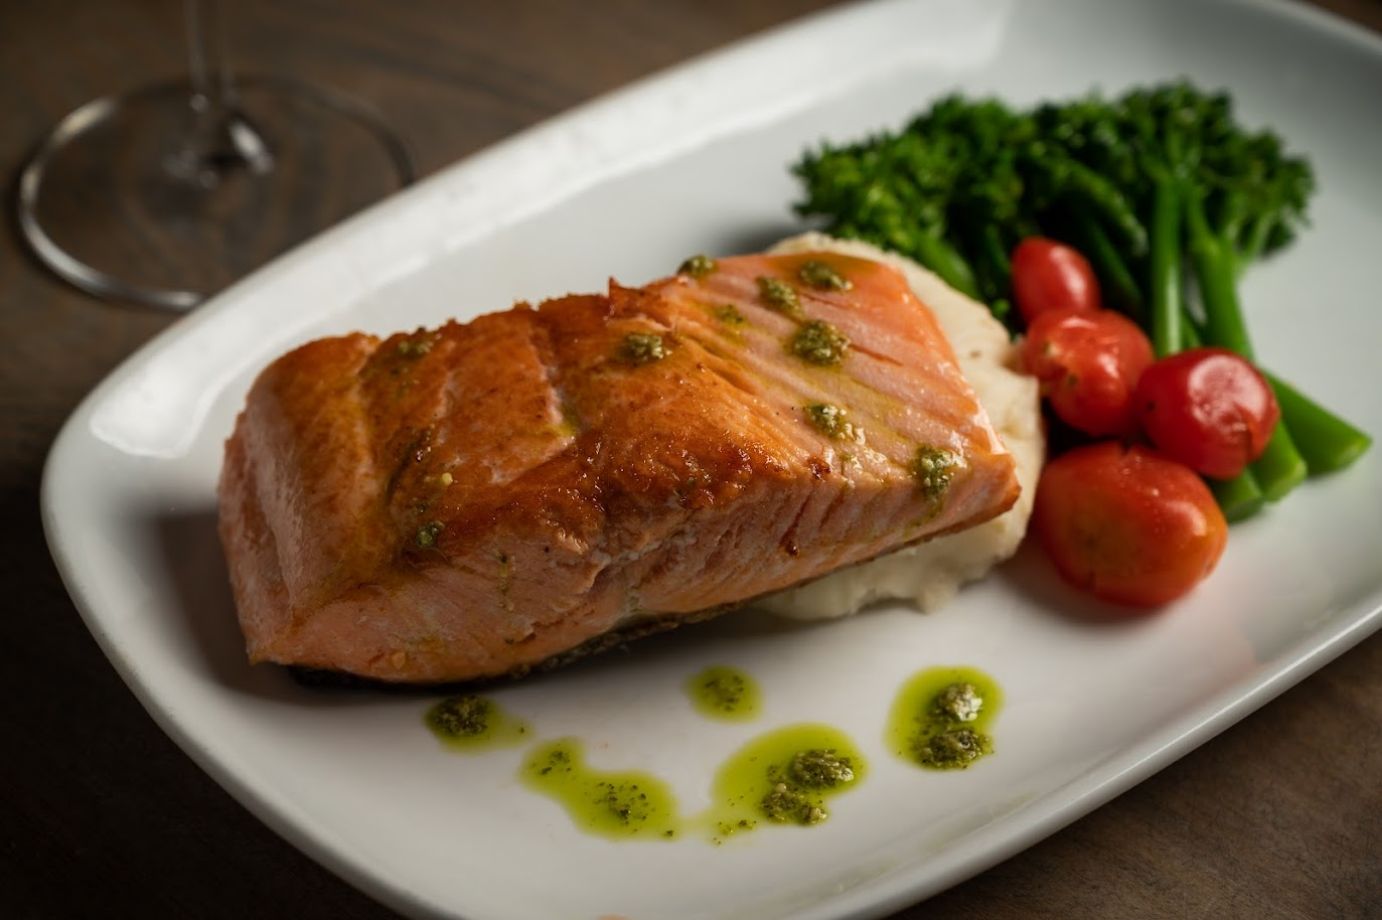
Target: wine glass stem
{"x":206,"y":61}
{"x":222,"y":138}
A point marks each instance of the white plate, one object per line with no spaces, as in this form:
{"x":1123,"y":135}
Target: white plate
{"x":695,"y":160}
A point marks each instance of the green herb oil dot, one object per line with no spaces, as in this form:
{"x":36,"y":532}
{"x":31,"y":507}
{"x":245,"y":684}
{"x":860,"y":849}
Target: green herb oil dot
{"x":941,"y":717}
{"x":698,"y":266}
{"x":819,"y":343}
{"x":642,"y":348}
{"x":618,"y":805}
{"x":933,"y":469}
{"x":822,"y":276}
{"x":724,"y":693}
{"x":786,"y":776}
{"x":729,"y":315}
{"x":781,"y":296}
{"x":829,"y":420}
{"x":470,"y":723}
{"x":427,"y":534}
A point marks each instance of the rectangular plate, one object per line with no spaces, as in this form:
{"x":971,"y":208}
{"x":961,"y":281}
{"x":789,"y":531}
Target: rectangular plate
{"x":696,"y":160}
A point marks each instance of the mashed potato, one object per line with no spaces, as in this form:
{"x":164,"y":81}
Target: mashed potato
{"x":930,"y":573}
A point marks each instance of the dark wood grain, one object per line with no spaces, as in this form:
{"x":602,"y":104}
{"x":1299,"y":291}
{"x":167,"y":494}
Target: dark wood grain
{"x":103,"y":816}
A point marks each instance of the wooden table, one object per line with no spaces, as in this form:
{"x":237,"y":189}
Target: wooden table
{"x":103,"y":816}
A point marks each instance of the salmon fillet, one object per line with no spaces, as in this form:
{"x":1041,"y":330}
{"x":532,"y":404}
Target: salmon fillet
{"x":483,"y":498}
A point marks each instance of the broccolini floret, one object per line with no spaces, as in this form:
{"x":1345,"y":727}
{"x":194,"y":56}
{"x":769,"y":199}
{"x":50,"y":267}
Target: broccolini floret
{"x":1156,"y":186}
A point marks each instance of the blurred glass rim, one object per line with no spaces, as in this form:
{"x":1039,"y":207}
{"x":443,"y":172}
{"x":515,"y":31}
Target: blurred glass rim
{"x":102,"y":110}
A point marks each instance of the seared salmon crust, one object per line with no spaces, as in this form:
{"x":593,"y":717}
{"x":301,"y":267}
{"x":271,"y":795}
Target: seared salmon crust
{"x":478,"y":499}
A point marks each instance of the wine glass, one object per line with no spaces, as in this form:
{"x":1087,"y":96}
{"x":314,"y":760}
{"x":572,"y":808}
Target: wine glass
{"x":165,"y":194}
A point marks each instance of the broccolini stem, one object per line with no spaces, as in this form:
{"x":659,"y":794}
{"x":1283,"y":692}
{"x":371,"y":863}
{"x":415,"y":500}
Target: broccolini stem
{"x":946,"y":261}
{"x":996,"y":256}
{"x":1167,"y":333}
{"x":1281,"y":467}
{"x":1217,"y":276}
{"x":1239,"y":498}
{"x":969,"y":243}
{"x":1104,"y":198}
{"x":1232,"y":214}
{"x":1190,"y":336}
{"x":1327,"y":442}
{"x":1114,"y":274}
{"x":1322,"y":440}
{"x":1256,"y":239}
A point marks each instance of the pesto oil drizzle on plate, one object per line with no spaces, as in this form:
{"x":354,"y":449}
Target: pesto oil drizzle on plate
{"x":471,"y":723}
{"x":785,"y":776}
{"x":724,"y":693}
{"x":939,"y":720}
{"x":622,"y":804}
{"x":941,"y":717}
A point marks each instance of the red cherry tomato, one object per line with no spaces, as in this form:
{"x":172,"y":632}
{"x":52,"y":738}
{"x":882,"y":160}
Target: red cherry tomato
{"x":1050,"y":276}
{"x":1127,"y":524}
{"x":1207,"y":408}
{"x":1088,"y":365}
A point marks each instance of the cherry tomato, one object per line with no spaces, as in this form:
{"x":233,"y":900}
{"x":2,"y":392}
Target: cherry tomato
{"x":1128,"y":524}
{"x":1088,"y":365}
{"x":1207,"y":408}
{"x":1050,"y":276}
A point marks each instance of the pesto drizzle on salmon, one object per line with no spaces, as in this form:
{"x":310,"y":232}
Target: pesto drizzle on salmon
{"x":819,"y":343}
{"x":642,"y":348}
{"x":822,"y":276}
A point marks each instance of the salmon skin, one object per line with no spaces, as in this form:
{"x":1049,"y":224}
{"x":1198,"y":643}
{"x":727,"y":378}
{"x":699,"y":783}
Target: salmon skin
{"x":484,"y":498}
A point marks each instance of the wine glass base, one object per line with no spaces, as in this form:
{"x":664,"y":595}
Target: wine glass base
{"x":119,"y":201}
